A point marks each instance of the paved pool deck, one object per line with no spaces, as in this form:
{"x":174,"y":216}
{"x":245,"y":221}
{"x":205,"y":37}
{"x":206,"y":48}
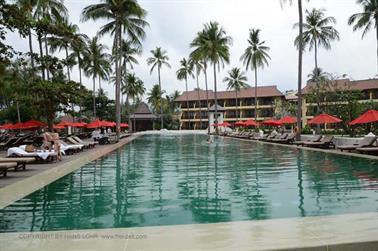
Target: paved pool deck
{"x":335,"y":232}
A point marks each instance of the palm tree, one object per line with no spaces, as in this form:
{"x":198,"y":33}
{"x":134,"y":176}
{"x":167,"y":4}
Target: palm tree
{"x":212,"y":44}
{"x":317,"y":31}
{"x":158,"y":59}
{"x":48,"y":11}
{"x":198,"y":68}
{"x":125,"y":16}
{"x":317,"y":75}
{"x":154,"y":97}
{"x":255,"y":56}
{"x":184,"y":72}
{"x":96,"y":64}
{"x":300,"y":55}
{"x":366,"y":19}
{"x":78,"y":47}
{"x":132,"y":87}
{"x":236,"y":80}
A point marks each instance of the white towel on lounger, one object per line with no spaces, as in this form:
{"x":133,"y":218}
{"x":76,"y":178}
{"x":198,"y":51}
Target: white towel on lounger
{"x":22,"y":153}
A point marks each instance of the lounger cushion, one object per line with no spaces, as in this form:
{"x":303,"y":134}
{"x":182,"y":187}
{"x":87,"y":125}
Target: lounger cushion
{"x":17,"y":151}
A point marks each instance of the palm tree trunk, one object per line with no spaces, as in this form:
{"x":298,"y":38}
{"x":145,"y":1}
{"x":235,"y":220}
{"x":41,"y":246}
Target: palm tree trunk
{"x":255,"y":93}
{"x":187,"y":101}
{"x":236,"y":99}
{"x":31,"y":49}
{"x":126,"y":110}
{"x":215,"y":98}
{"x":94,"y":97}
{"x":99,"y":83}
{"x":207,"y":98}
{"x":47,"y":62}
{"x":161,"y":103}
{"x":316,"y":59}
{"x":41,"y":55}
{"x":376,"y":30}
{"x":199,"y":99}
{"x":68,"y":67}
{"x":79,"y":66}
{"x":300,"y":51}
{"x":18,"y":111}
{"x":118,"y":81}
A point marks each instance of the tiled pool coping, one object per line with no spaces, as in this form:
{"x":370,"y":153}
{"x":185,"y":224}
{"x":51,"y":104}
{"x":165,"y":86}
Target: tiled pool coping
{"x":337,"y":232}
{"x":22,"y":188}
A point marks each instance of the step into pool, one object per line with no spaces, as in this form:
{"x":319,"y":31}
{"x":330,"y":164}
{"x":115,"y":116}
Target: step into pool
{"x":181,"y":179}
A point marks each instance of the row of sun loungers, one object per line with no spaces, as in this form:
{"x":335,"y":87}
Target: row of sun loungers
{"x":367,"y":145}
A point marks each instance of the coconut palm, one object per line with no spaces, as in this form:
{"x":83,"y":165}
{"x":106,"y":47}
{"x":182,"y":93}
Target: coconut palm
{"x":154,"y":97}
{"x":183,"y":73}
{"x":300,"y":55}
{"x":366,"y":19}
{"x":236,"y":80}
{"x":158,"y":59}
{"x":96,"y":64}
{"x":317,"y":31}
{"x":317,"y":75}
{"x":124,"y":16}
{"x":197,"y":64}
{"x":255,"y":56}
{"x":212,"y":44}
{"x":47,"y":11}
{"x":78,"y":47}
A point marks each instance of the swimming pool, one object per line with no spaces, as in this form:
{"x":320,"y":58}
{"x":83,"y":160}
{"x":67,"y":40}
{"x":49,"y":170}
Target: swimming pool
{"x":181,"y":179}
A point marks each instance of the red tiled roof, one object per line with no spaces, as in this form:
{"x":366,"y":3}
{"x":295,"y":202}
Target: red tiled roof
{"x":342,"y":84}
{"x":262,"y":91}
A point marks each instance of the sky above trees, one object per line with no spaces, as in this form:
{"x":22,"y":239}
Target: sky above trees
{"x":174,"y":23}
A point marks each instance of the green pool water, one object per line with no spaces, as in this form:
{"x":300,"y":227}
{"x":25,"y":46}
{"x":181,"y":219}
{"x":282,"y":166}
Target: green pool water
{"x":167,"y":180}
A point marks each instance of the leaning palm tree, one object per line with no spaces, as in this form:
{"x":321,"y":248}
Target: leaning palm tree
{"x":236,"y":80}
{"x":213,"y":45}
{"x":183,"y":73}
{"x":255,"y":56}
{"x":124,"y":16}
{"x":300,"y":55}
{"x":158,"y":59}
{"x":317,"y":31}
{"x":198,"y":65}
{"x":96,"y":64}
{"x":366,"y":19}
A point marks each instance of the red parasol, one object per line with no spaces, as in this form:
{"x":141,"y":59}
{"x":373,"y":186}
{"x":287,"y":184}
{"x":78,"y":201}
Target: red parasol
{"x":124,"y":125}
{"x":287,"y":120}
{"x":368,"y":117}
{"x":57,"y":126}
{"x":250,"y":122}
{"x":225,"y":124}
{"x":96,"y":124}
{"x":239,"y":123}
{"x":6,"y":126}
{"x":324,"y":119}
{"x":271,"y":122}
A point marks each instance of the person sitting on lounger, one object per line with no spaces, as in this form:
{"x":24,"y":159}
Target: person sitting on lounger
{"x":51,"y":141}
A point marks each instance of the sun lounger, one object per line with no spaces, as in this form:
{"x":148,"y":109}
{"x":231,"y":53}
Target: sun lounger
{"x":21,"y":162}
{"x":289,"y":139}
{"x":74,"y":142}
{"x":368,"y":150}
{"x":271,"y":136}
{"x":280,"y":137}
{"x":325,"y":142}
{"x":316,"y":138}
{"x":91,"y":143}
{"x":5,"y":166}
{"x":367,"y":141}
{"x":43,"y":155}
{"x":70,"y":149}
{"x":8,"y":143}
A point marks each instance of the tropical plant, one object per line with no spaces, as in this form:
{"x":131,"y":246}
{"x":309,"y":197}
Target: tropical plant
{"x":183,"y":73}
{"x":300,"y":55}
{"x":236,"y":80}
{"x":124,"y":16}
{"x":255,"y":56}
{"x":154,"y":98}
{"x":78,"y":47}
{"x":317,"y":31}
{"x":158,"y":59}
{"x":198,"y":67}
{"x":366,"y":19}
{"x":212,"y":44}
{"x":317,"y":75}
{"x":96,"y":64}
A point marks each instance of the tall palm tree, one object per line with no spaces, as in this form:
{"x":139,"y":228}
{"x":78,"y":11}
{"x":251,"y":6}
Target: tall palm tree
{"x":158,"y":59}
{"x":300,"y":55}
{"x":255,"y":56}
{"x":183,"y":73}
{"x":197,"y":64}
{"x":124,"y":16}
{"x":236,"y":80}
{"x":48,"y":11}
{"x":317,"y":75}
{"x":366,"y":19}
{"x":78,"y":47}
{"x":317,"y":31}
{"x":212,"y":44}
{"x":96,"y":64}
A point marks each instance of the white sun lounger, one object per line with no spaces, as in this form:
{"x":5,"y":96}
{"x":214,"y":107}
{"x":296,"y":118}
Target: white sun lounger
{"x":17,"y":151}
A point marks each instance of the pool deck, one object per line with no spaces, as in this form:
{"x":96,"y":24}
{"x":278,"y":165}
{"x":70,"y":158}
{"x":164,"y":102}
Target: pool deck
{"x":335,"y":232}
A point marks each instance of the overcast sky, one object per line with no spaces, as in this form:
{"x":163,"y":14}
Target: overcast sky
{"x":174,"y":23}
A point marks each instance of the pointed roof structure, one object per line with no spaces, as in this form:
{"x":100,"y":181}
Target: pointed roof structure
{"x":219,"y":108}
{"x":143,"y":112}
